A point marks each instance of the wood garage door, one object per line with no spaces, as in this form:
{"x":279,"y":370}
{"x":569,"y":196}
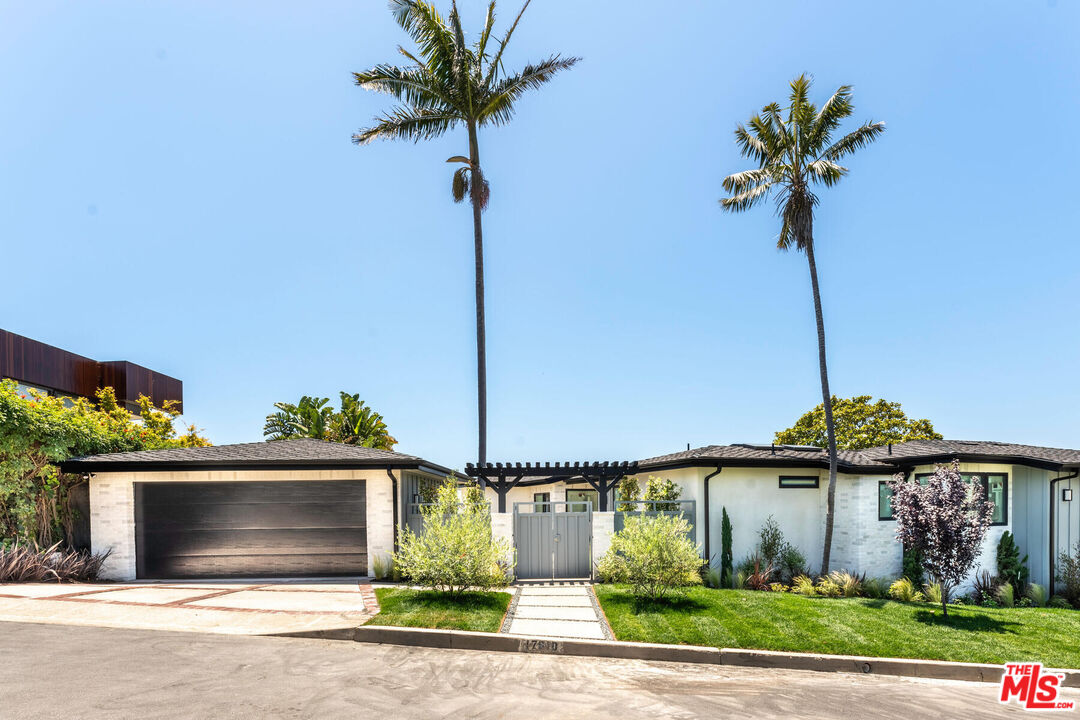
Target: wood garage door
{"x":250,"y":529}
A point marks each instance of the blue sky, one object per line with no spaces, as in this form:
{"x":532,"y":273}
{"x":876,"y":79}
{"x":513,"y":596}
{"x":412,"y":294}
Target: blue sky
{"x":178,"y":189}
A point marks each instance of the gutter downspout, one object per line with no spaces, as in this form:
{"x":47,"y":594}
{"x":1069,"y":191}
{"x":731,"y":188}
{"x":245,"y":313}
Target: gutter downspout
{"x":1053,"y":538}
{"x":708,"y":557}
{"x":394,"y":492}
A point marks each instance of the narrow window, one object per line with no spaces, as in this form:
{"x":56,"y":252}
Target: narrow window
{"x":798,"y":481}
{"x":884,"y":501}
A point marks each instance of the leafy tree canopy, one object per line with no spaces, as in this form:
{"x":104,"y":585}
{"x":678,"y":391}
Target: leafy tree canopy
{"x":353,"y":424}
{"x":37,"y":431}
{"x":860,"y":423}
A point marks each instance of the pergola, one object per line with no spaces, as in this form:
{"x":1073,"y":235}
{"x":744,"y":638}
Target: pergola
{"x":500,"y":477}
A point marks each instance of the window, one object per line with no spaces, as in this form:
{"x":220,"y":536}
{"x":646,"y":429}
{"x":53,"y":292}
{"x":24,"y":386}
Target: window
{"x":540,"y":502}
{"x":884,"y":501}
{"x":995,"y":487}
{"x":798,"y":481}
{"x":576,"y":500}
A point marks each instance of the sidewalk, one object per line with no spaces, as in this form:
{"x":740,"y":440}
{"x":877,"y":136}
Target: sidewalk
{"x":556,"y":611}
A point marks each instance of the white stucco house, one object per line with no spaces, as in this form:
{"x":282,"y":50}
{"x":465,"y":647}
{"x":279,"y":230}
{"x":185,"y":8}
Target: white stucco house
{"x":1033,"y":489}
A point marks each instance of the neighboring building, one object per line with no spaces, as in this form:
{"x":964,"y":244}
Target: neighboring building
{"x":34,"y":364}
{"x":266,"y":509}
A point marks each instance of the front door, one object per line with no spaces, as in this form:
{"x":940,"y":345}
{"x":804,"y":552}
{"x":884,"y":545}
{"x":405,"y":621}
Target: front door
{"x":553,"y":540}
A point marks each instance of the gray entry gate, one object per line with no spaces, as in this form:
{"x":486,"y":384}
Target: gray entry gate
{"x":552,"y":542}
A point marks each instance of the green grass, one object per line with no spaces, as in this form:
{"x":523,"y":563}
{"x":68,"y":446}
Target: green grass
{"x":405,"y":607}
{"x":855,"y":626}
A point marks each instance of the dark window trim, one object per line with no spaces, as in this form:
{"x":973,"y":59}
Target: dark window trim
{"x":985,"y":482}
{"x":543,"y":500}
{"x":891,"y":515}
{"x":815,"y":478}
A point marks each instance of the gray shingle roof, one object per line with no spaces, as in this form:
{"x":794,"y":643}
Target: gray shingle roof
{"x":879,"y":459}
{"x":299,"y":453}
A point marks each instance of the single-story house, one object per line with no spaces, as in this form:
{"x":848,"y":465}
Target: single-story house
{"x":1032,"y":489}
{"x":311,"y":508}
{"x":264,"y":509}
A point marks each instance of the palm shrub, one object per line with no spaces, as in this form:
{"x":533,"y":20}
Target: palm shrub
{"x":654,"y":555}
{"x":726,"y":567}
{"x":455,"y":551}
{"x":1010,"y":567}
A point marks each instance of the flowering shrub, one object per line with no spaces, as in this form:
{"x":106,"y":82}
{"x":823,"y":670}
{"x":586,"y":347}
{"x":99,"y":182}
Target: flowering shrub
{"x":944,"y":520}
{"x":455,"y":551}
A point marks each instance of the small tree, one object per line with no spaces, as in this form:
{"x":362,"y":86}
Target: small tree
{"x":1068,"y":574}
{"x":455,"y":551}
{"x":660,"y":490}
{"x":1010,"y":567}
{"x":628,"y":492}
{"x":945,"y":520}
{"x":726,"y":563}
{"x":654,"y":555}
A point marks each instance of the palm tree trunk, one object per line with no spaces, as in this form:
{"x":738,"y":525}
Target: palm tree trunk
{"x":476,"y":187}
{"x":826,"y":398}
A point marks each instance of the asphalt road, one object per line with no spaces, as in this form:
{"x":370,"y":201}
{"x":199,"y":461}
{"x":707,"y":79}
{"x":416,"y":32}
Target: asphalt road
{"x":54,"y":671}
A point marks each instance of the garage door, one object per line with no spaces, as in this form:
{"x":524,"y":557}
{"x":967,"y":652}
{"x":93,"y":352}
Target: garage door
{"x":250,"y":529}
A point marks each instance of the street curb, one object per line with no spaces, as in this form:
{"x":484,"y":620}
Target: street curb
{"x":461,"y":640}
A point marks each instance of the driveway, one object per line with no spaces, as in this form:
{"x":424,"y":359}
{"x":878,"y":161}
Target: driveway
{"x":62,"y":672}
{"x":230,"y":608}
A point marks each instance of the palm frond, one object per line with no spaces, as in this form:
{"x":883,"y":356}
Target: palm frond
{"x":826,"y":172}
{"x":489,"y":23}
{"x":405,"y":123}
{"x":828,"y":118}
{"x":854,"y":140}
{"x":740,"y":181}
{"x":429,"y":31}
{"x":496,"y":62}
{"x":747,"y":198}
{"x":410,"y":85}
{"x":498,"y":107}
{"x":772,"y":141}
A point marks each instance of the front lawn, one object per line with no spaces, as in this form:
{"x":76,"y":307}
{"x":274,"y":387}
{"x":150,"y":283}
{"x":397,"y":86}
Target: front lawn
{"x":855,"y":626}
{"x":405,"y":607}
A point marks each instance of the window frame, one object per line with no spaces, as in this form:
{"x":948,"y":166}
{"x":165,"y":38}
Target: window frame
{"x":815,"y":478}
{"x":985,"y":482}
{"x":542,"y":500}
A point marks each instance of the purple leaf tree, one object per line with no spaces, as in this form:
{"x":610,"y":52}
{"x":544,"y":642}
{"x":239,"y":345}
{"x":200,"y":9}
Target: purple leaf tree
{"x":946,"y":520}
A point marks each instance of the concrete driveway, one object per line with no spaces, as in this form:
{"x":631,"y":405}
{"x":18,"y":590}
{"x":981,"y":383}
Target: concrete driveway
{"x":229,"y":608}
{"x":64,"y":672}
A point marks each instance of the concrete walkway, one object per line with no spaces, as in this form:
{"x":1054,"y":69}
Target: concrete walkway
{"x":557,"y":611}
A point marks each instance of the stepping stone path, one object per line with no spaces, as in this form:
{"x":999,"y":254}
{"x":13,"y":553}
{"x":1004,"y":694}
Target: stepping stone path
{"x":556,"y":611}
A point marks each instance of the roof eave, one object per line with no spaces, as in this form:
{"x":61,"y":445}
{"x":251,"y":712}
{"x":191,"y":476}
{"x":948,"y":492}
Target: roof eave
{"x":767,"y":463}
{"x":91,"y":466}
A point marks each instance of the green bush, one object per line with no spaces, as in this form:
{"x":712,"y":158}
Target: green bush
{"x":660,"y":489}
{"x":1005,"y":595}
{"x":1010,"y":567}
{"x":628,"y":491}
{"x":1037,"y":595}
{"x":455,"y":551}
{"x":654,"y":555}
{"x":1058,"y":602}
{"x":932,"y":593}
{"x":912,"y":567}
{"x":876,"y":588}
{"x":1068,"y":574}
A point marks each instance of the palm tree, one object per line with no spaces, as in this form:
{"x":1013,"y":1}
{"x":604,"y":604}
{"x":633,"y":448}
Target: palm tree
{"x":793,"y":154}
{"x":449,"y":84}
{"x":313,"y":417}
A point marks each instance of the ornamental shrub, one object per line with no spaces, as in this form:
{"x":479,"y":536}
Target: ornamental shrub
{"x":726,"y":566}
{"x":1068,"y":574}
{"x":628,"y":492}
{"x":1010,"y":567}
{"x":654,"y":555}
{"x":657,"y":488}
{"x":455,"y":551}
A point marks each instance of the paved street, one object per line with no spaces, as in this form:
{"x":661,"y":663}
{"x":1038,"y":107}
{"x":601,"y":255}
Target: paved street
{"x":52,"y":671}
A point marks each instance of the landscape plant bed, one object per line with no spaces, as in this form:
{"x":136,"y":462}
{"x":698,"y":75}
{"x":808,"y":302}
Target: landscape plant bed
{"x":846,"y":626}
{"x":408,"y":607}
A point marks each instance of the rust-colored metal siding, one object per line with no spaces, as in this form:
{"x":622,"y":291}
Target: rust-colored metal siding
{"x":34,"y":363}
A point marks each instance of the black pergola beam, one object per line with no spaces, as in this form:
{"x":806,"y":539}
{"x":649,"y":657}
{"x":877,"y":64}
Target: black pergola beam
{"x":501,"y":477}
